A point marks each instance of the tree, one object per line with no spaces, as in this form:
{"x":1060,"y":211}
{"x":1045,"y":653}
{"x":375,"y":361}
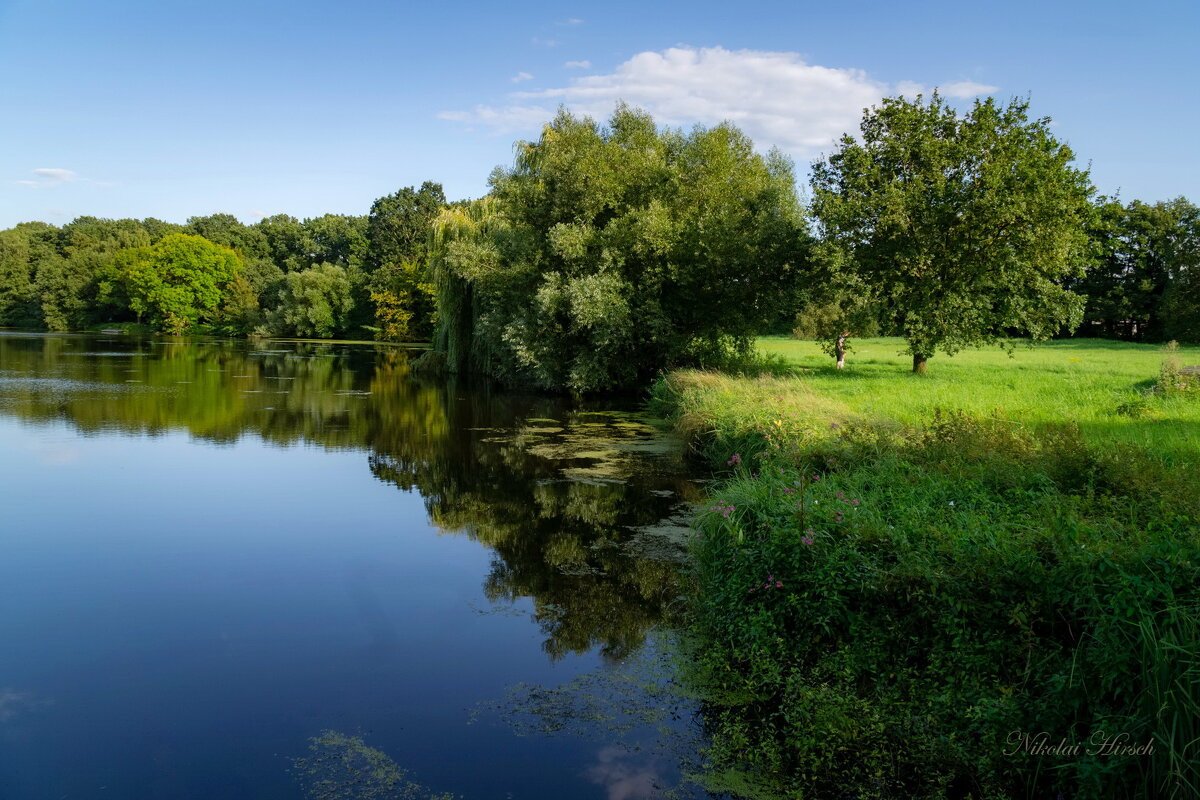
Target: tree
{"x":1147,"y":254}
{"x":960,"y":229}
{"x":315,"y":302}
{"x":606,"y":254}
{"x":399,"y":224}
{"x":19,"y":305}
{"x":403,"y":302}
{"x":337,"y":239}
{"x":178,"y":281}
{"x":1180,"y":311}
{"x":228,"y":231}
{"x":288,"y":243}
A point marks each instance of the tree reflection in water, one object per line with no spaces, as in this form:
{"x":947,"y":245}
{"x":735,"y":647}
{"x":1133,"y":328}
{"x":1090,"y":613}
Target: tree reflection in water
{"x":583,"y":503}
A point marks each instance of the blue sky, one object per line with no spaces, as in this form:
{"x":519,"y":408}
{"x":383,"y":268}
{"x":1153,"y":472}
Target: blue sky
{"x":131,"y":108}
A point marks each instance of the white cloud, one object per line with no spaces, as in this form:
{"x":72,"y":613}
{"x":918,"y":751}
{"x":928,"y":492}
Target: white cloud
{"x":965,"y":90}
{"x":545,"y":42}
{"x":578,"y":65}
{"x":521,"y":76}
{"x":503,"y":120}
{"x":624,"y":777}
{"x":14,"y":702}
{"x":572,"y":22}
{"x":51,"y":176}
{"x":776,"y":98}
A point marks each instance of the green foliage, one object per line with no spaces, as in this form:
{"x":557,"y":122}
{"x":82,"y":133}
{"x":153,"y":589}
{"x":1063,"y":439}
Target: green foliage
{"x":228,"y":231}
{"x":403,"y":302}
{"x":287,"y":244}
{"x":1143,"y":285}
{"x":315,"y":302}
{"x":879,"y":607}
{"x":62,"y":287}
{"x":176,"y":282}
{"x":19,"y":304}
{"x":959,"y":230}
{"x":239,"y":313}
{"x":398,"y":227}
{"x":605,"y":254}
{"x":336,"y":239}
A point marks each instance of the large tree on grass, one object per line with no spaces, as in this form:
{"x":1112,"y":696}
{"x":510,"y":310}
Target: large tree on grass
{"x":960,"y":228}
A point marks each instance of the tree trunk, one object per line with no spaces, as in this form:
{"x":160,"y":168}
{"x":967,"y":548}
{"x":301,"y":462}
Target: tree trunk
{"x":841,"y":351}
{"x":919,"y":363}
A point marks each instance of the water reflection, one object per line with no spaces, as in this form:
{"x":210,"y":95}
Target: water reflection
{"x":575,"y":500}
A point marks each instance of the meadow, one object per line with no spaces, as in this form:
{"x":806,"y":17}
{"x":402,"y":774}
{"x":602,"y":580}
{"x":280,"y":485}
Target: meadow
{"x":1098,"y":384}
{"x":901,"y":581}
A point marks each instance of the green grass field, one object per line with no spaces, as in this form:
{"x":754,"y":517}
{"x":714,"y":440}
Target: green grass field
{"x":1083,"y":381}
{"x":898,"y":571}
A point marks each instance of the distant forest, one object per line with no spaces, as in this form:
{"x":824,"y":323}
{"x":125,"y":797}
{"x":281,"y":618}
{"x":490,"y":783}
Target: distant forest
{"x":330,"y":276}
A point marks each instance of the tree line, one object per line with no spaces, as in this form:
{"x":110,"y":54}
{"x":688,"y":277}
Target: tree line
{"x":608,"y":252}
{"x":330,"y":276}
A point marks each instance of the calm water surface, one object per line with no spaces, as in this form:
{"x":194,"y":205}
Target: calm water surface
{"x":212,"y":553}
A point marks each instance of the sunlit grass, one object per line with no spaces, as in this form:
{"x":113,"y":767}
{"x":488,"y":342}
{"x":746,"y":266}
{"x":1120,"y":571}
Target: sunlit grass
{"x":1083,"y":381}
{"x":1002,"y":544}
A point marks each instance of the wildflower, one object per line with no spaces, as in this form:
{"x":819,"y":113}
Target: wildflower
{"x":788,"y":490}
{"x":816,"y":478}
{"x":951,"y":502}
{"x":833,"y":425}
{"x":854,"y":501}
{"x":808,"y":540}
{"x":841,"y":496}
{"x":735,"y":460}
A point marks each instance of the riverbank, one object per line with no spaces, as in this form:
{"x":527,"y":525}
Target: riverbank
{"x":901,"y":581}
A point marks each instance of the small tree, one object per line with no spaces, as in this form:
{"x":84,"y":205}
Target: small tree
{"x":314,"y":302}
{"x":959,"y":230}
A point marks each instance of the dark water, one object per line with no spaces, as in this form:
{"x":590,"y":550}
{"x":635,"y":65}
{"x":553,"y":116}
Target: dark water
{"x":213,"y":552}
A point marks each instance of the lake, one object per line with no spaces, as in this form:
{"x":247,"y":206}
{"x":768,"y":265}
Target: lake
{"x":294,"y":569}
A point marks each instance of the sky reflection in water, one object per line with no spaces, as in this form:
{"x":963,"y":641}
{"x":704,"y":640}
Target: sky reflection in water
{"x":212,"y":552}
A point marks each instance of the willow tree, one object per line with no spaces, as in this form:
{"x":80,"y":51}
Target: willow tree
{"x":462,"y":253}
{"x":608,"y":253}
{"x":960,"y":230}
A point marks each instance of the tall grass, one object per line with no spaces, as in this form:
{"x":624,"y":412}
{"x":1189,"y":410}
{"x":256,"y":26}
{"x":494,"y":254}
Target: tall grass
{"x":897,"y":573}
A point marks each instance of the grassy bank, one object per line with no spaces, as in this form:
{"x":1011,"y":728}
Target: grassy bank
{"x":902,"y":582}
